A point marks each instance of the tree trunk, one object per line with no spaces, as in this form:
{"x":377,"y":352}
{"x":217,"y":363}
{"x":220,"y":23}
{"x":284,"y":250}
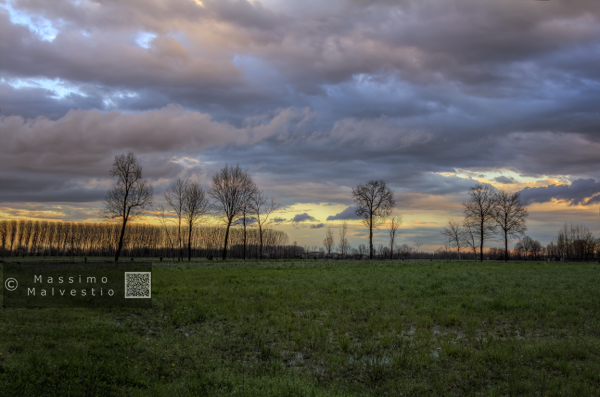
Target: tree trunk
{"x":244,"y":237}
{"x":180,"y":242}
{"x":260,"y":254}
{"x":371,"y":237}
{"x":505,"y":246}
{"x":481,"y":242}
{"x":118,"y":253}
{"x":226,"y":238}
{"x":190,"y":243}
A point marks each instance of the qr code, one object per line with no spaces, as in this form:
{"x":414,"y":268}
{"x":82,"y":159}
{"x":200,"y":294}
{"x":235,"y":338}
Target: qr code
{"x":138,"y":285}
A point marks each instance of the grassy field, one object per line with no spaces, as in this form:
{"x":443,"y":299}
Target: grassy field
{"x":322,"y":328}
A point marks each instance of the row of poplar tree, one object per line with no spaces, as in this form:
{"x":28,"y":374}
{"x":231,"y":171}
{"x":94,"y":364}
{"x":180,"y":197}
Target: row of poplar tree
{"x":48,"y":238}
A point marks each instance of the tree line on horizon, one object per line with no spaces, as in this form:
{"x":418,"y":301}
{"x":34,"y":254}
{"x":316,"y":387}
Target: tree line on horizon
{"x":54,"y":238}
{"x":237,"y":201}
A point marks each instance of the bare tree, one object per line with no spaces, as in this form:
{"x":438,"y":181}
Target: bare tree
{"x":195,"y":206}
{"x":231,"y":188}
{"x":374,"y":202}
{"x":510,"y":216}
{"x":362,"y":250}
{"x":480,"y":210}
{"x":455,"y":235}
{"x":163,"y":222}
{"x":175,"y":197}
{"x":418,"y":243}
{"x":470,"y":237}
{"x":262,"y":208}
{"x":329,"y":241}
{"x":392,"y":230}
{"x":344,"y":245}
{"x":244,"y":218}
{"x":405,"y":250}
{"x":3,"y":235}
{"x":130,"y":197}
{"x":12,"y":233}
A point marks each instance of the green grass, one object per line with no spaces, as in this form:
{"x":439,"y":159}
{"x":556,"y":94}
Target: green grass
{"x":321,"y":328}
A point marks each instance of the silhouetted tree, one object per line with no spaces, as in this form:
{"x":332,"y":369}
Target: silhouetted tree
{"x":329,"y":241}
{"x":130,"y":197}
{"x":510,"y":216}
{"x":455,"y":235}
{"x":175,"y":197}
{"x":418,"y":243}
{"x":392,"y":230}
{"x":195,"y":206}
{"x":405,"y":250}
{"x":470,"y":237}
{"x":3,"y":235}
{"x":231,"y":188}
{"x":374,"y":202}
{"x":344,"y":245}
{"x":262,"y":208}
{"x":479,"y":211}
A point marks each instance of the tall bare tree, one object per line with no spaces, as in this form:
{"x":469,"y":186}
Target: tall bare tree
{"x":230,"y":188}
{"x":130,"y":197}
{"x":510,"y":216}
{"x":12,"y":233}
{"x":470,"y":237}
{"x":479,"y":210}
{"x":374,"y":202}
{"x":392,"y":230}
{"x":262,"y":207}
{"x":329,"y":241}
{"x":195,"y":206}
{"x":175,"y":197}
{"x":418,"y":242}
{"x":344,"y":245}
{"x":455,"y":234}
{"x":245,"y":217}
{"x":162,"y":218}
{"x":3,"y":235}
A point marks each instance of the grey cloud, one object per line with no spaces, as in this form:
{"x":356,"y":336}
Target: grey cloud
{"x":312,"y":98}
{"x":348,"y":213}
{"x":278,"y":220}
{"x":319,"y":226}
{"x":303,"y":218}
{"x":581,"y":191}
{"x":249,"y":221}
{"x":330,"y":47}
{"x":19,"y":187}
{"x":505,"y":180}
{"x":32,"y":102}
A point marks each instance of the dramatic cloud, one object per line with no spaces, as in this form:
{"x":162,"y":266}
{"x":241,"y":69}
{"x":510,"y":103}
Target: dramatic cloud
{"x":310,"y":98}
{"x":581,"y":191}
{"x":348,"y":213}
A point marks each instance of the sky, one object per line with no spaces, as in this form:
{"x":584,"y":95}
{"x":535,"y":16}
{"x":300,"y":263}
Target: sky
{"x":311,"y":98}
